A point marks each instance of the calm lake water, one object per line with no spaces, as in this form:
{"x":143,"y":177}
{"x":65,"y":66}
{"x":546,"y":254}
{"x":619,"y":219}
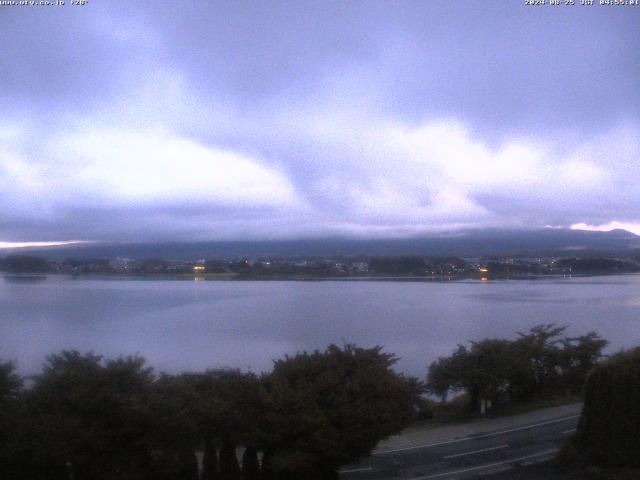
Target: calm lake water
{"x":189,"y":325}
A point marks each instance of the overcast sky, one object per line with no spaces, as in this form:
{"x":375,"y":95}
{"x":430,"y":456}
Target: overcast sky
{"x":193,"y":120}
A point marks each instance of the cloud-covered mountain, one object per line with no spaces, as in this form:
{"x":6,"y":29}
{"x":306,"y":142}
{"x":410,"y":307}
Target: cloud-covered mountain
{"x":475,"y":243}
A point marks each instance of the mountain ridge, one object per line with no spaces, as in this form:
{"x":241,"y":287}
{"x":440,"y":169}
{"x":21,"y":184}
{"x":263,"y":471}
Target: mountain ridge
{"x":475,"y":243}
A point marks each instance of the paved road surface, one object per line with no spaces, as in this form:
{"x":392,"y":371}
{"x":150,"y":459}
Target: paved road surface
{"x":465,"y":450}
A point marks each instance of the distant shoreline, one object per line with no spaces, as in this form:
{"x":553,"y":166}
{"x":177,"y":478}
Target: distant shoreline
{"x":26,"y":277}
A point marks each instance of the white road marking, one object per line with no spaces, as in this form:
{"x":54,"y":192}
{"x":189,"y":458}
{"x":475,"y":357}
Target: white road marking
{"x":353,"y":470}
{"x":477,"y":451}
{"x":384,"y":452}
{"x":481,"y":467}
{"x":571,"y":430}
{"x":465,"y":439}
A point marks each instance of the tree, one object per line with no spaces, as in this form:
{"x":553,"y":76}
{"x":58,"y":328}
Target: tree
{"x":409,"y":265}
{"x":227,"y":409}
{"x":250,"y":465}
{"x":10,"y":392}
{"x":446,"y":374}
{"x":229,"y":467}
{"x":325,"y":409}
{"x":187,"y":464}
{"x":210,"y":461}
{"x":10,"y":385}
{"x":608,"y":429}
{"x":537,"y":362}
{"x":579,"y":355}
{"x":172,"y":406}
{"x":540,"y":347}
{"x":25,"y":264}
{"x":88,"y":416}
{"x":488,"y":371}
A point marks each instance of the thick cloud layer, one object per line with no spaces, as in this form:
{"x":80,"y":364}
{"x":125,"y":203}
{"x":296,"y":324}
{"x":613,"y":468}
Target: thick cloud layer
{"x":209,"y":120}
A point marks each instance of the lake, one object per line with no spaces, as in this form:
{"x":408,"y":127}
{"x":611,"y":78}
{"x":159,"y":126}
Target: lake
{"x":191,"y":325}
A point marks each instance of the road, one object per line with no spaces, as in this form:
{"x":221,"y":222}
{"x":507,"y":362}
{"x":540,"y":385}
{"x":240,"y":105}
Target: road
{"x":467,"y":450}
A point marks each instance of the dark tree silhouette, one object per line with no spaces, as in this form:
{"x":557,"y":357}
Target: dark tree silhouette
{"x":25,"y":264}
{"x":88,"y":416}
{"x":608,"y":430}
{"x":10,"y":390}
{"x":187,"y":465}
{"x":210,"y":461}
{"x":229,"y":467}
{"x":538,"y":362}
{"x":250,"y":464}
{"x":326,"y":409}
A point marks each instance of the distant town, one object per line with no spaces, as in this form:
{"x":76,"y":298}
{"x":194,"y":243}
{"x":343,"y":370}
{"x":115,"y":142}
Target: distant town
{"x":316,"y":267}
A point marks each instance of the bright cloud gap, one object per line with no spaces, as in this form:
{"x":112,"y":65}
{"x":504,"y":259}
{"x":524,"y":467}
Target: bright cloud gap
{"x":11,"y":245}
{"x":607,"y":227}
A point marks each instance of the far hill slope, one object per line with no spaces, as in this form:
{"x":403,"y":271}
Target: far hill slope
{"x":523,"y":243}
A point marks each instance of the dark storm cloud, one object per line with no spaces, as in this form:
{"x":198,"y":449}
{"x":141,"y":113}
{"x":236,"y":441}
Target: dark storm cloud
{"x":55,"y":58}
{"x":145,"y":120}
{"x":497,"y":62}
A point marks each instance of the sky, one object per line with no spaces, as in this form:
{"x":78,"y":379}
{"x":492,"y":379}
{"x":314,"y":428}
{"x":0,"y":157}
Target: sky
{"x":203,"y":120}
